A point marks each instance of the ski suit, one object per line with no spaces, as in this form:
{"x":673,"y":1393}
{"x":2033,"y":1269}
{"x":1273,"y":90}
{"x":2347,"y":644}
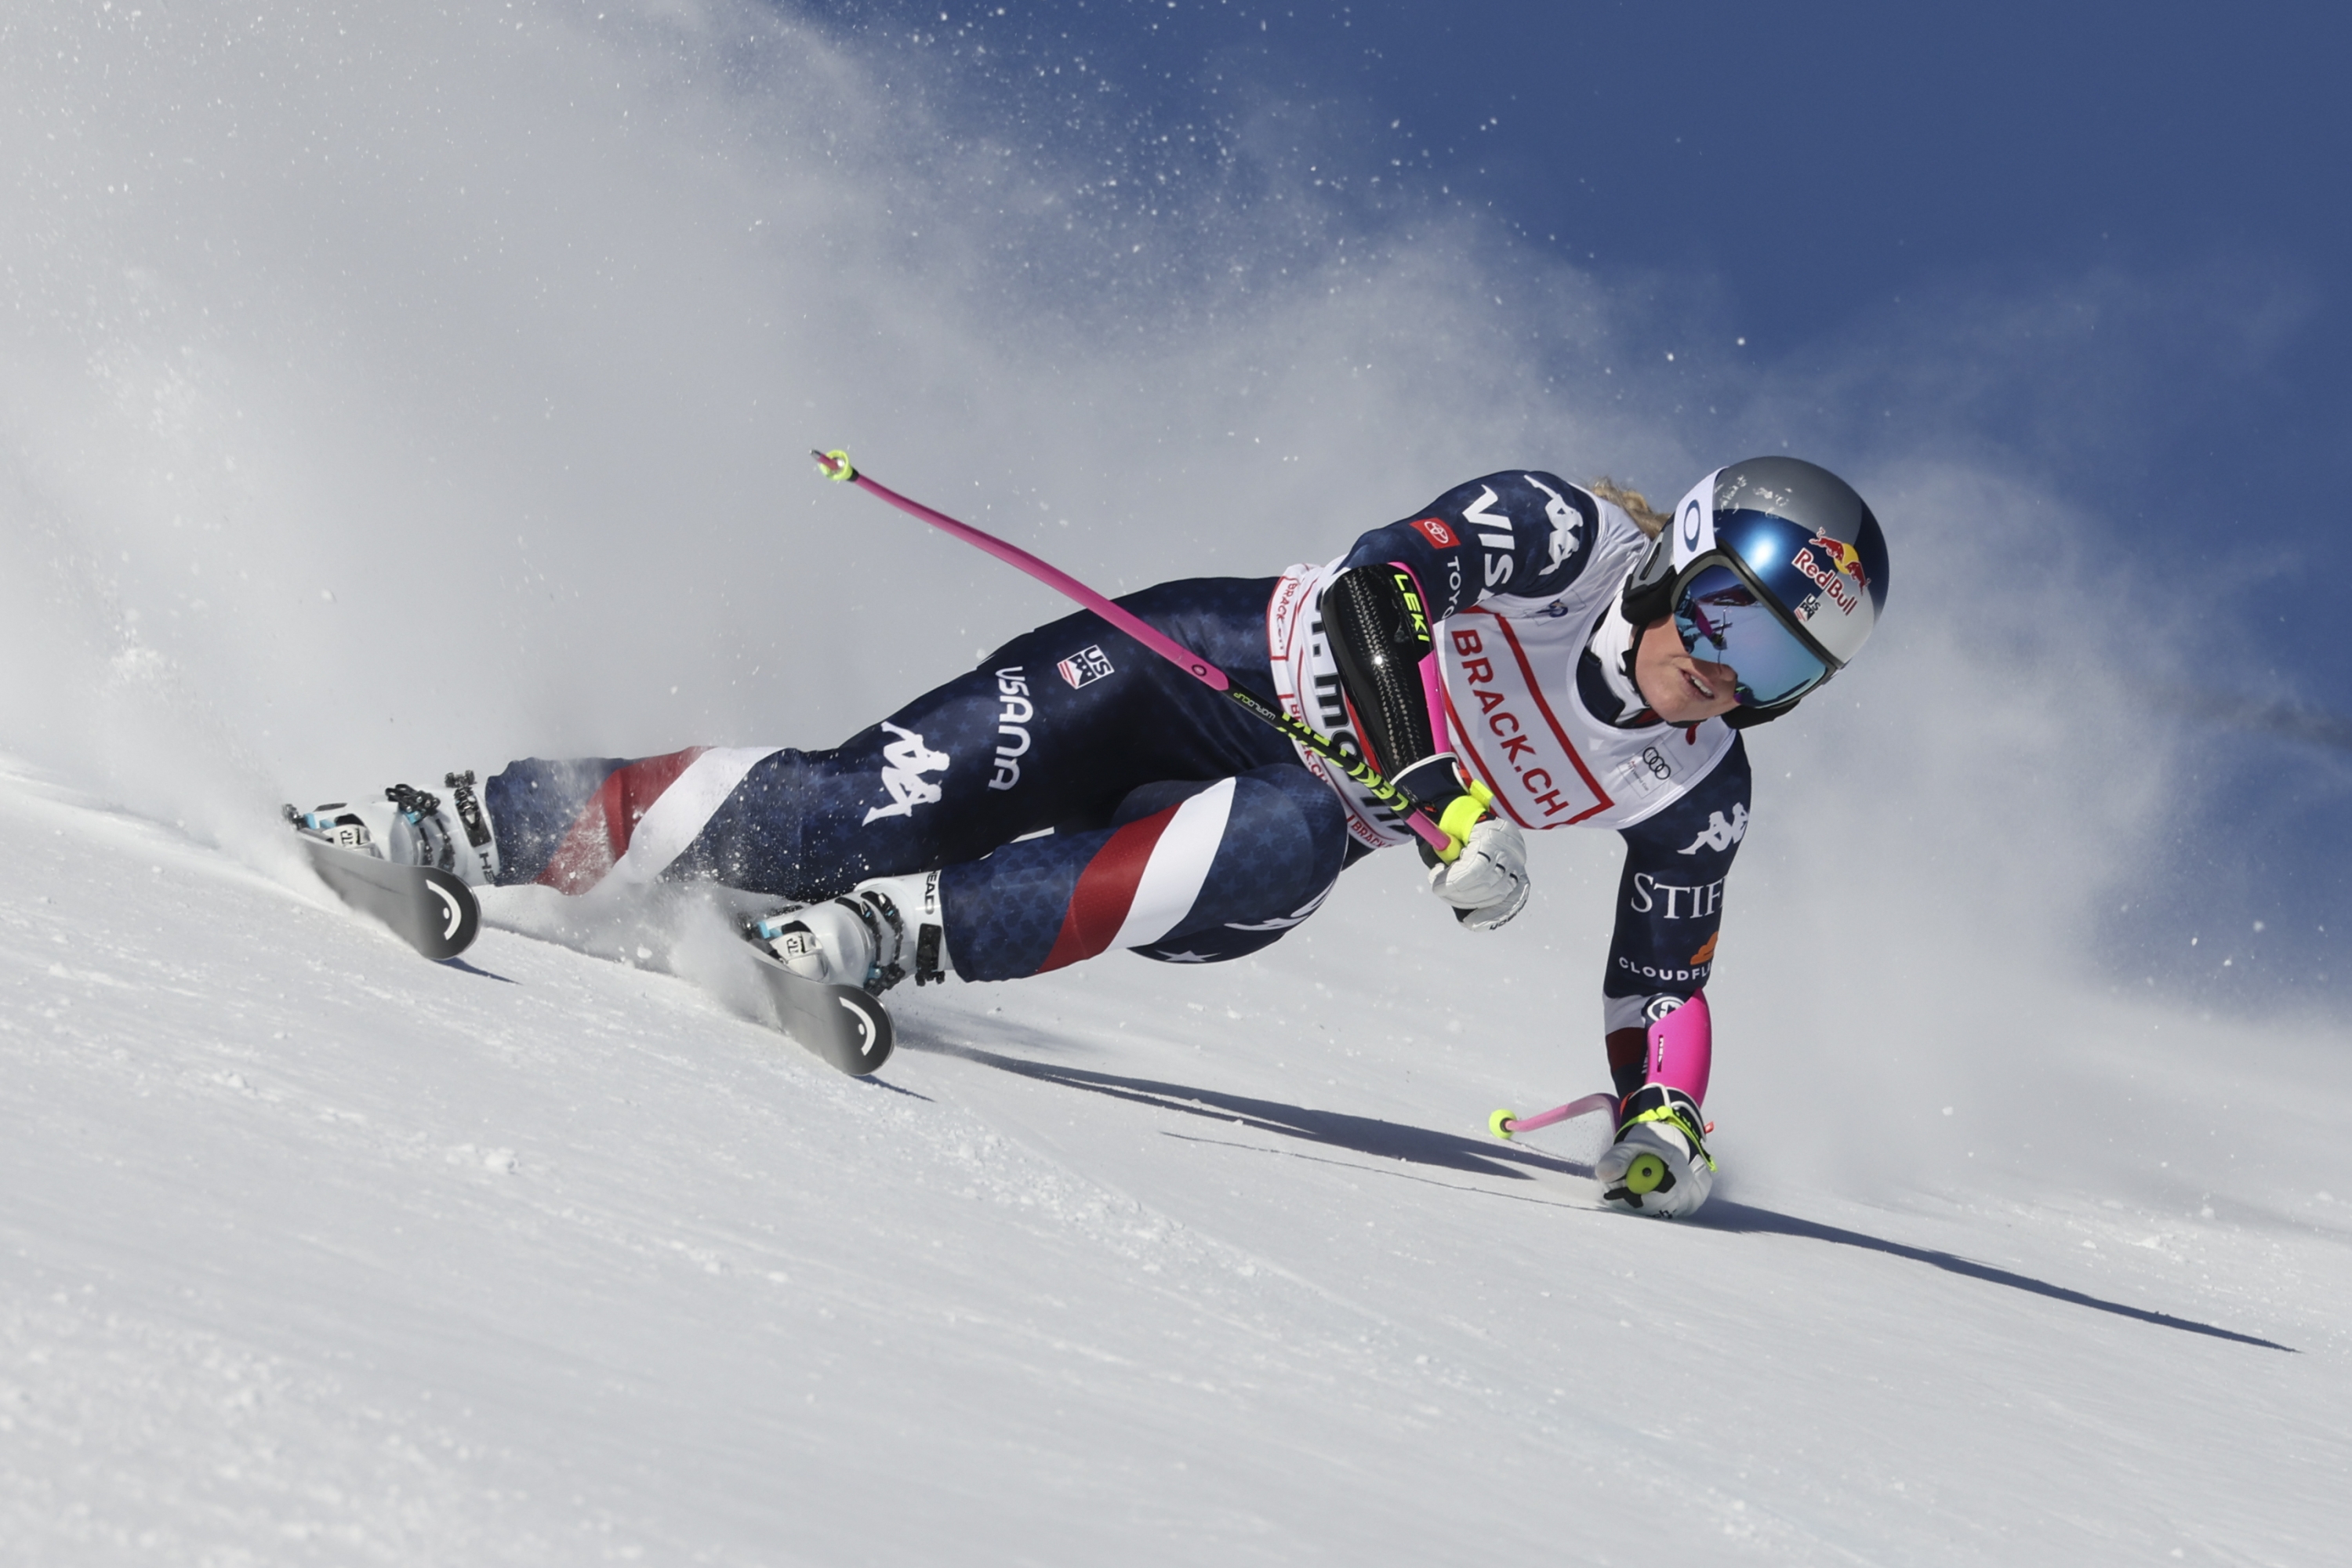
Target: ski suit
{"x":1078,"y":792}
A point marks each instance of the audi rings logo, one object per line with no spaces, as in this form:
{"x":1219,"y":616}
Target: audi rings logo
{"x":1692,"y":518}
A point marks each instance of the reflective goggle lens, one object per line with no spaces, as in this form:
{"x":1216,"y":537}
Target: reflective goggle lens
{"x":1722,"y":621}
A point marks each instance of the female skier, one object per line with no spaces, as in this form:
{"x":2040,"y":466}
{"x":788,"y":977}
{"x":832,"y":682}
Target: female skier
{"x":1522,"y":653}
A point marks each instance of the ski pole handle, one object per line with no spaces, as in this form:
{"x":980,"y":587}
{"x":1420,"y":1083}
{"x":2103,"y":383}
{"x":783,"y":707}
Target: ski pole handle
{"x":838,"y":467}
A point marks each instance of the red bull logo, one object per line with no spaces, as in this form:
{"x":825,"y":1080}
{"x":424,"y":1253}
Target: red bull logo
{"x":1846,"y":562}
{"x":1844,"y":557}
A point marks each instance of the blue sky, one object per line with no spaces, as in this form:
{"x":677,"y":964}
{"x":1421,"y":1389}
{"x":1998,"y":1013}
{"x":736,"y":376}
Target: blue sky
{"x":2103,"y":246}
{"x":1819,"y":180}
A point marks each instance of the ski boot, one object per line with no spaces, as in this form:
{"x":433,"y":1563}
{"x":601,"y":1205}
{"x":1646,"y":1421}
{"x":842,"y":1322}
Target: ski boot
{"x":875,"y":936}
{"x":411,"y":827}
{"x":1659,"y":1164}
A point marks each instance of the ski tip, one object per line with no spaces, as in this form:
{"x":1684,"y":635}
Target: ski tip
{"x":871,"y":1035}
{"x":452,"y":921}
{"x":1500,"y":1124}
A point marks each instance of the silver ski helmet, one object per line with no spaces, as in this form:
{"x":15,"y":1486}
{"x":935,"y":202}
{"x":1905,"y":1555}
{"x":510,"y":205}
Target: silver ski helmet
{"x":1774,"y":566}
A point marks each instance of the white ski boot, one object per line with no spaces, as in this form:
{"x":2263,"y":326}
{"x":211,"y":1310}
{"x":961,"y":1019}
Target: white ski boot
{"x":456,"y":838}
{"x":411,"y":827}
{"x":872,"y":938}
{"x":1659,"y":1164}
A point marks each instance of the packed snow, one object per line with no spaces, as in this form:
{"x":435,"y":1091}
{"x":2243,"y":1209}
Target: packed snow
{"x":315,"y":1251}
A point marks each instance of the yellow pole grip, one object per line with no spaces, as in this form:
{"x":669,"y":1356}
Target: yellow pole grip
{"x":1466,"y":812}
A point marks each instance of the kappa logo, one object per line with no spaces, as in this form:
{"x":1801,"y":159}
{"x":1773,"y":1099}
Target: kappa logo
{"x":1720,"y":835}
{"x":1566,"y":522}
{"x":903,"y":763}
{"x":1085,"y":666}
{"x":1435,"y":532}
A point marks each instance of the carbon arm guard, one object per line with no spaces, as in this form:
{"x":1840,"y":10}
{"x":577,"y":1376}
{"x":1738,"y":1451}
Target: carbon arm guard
{"x":1379,"y":631}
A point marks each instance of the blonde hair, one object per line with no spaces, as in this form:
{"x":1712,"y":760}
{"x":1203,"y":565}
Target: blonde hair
{"x":1634,"y":504}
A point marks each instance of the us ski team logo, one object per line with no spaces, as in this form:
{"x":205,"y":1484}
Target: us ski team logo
{"x":1087,"y":664}
{"x":903,"y":763}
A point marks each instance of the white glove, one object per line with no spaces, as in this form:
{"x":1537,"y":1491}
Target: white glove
{"x":1487,"y":882}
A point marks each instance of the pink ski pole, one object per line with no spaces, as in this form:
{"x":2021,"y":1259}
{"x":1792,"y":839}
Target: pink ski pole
{"x":1503,"y":1123}
{"x":837,"y":467}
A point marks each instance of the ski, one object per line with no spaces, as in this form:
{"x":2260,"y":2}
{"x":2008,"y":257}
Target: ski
{"x":430,"y":909}
{"x":841,"y":1025}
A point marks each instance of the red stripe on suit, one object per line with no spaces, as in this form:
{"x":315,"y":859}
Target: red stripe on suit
{"x":1105,"y":890}
{"x":600,"y":834}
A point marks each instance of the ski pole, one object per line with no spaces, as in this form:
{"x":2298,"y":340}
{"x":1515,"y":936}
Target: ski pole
{"x":838,"y":468}
{"x":1503,"y":1123}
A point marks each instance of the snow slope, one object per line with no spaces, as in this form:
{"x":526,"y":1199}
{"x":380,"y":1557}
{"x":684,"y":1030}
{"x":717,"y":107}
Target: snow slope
{"x":315,"y":1252}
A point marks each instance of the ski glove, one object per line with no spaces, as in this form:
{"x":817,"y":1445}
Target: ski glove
{"x":1487,"y":882}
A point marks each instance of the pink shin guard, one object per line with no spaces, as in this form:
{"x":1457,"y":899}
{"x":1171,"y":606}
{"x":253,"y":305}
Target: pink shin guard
{"x":1682,"y":1048}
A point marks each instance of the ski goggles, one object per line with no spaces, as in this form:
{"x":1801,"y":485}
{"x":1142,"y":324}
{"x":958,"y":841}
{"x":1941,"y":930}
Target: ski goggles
{"x":1724,"y":619}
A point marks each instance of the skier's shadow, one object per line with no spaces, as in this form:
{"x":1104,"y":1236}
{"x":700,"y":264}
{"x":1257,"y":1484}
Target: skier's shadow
{"x":1325,"y":1129}
{"x":1451,"y":1152}
{"x":1747,"y":1219}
